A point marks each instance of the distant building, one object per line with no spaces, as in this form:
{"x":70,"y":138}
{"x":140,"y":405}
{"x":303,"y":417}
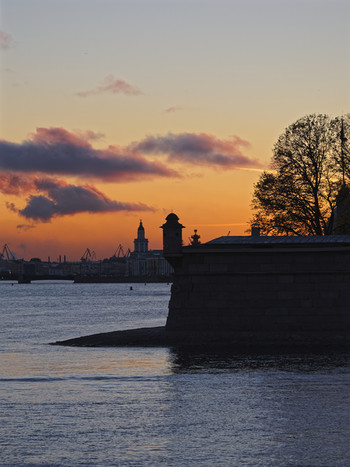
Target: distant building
{"x":147,"y":263}
{"x":140,"y":243}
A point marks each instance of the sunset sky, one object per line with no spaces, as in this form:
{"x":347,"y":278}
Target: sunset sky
{"x":112,"y":111}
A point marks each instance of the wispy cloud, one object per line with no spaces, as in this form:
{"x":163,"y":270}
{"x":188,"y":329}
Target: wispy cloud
{"x":198,"y":149}
{"x":59,"y":198}
{"x":112,"y":85}
{"x":6,"y":40}
{"x":89,"y":135}
{"x":56,"y":151}
{"x":173,"y":109}
{"x":25,"y":227}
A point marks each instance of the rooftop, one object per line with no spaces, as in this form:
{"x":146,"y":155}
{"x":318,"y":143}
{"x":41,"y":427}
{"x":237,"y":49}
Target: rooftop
{"x":282,"y":240}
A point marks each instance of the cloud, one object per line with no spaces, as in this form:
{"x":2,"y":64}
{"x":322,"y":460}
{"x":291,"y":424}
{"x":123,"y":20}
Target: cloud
{"x":198,"y":149}
{"x":89,"y":135}
{"x":25,"y":227}
{"x":172,"y":109}
{"x":56,"y":151}
{"x":112,"y":85}
{"x":6,"y":40}
{"x":61,"y":199}
{"x":11,"y":207}
{"x":31,"y":167}
{"x":13,"y":184}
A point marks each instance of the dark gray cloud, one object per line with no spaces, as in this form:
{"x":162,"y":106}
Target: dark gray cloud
{"x":112,"y":85}
{"x":63,"y":199}
{"x":198,"y":149}
{"x":55,"y":151}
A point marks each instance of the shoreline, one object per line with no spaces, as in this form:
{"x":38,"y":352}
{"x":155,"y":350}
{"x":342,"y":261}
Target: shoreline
{"x":160,"y":337}
{"x":143,"y":337}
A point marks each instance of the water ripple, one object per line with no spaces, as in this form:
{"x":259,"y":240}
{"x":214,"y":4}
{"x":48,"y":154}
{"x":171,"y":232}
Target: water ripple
{"x":41,"y":379}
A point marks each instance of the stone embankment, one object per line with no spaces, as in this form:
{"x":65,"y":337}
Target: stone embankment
{"x":250,"y":291}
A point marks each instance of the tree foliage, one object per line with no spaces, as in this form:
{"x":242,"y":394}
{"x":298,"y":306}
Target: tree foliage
{"x":310,"y":163}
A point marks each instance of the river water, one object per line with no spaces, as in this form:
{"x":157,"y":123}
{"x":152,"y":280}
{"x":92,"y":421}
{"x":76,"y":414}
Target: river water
{"x":64,"y":406}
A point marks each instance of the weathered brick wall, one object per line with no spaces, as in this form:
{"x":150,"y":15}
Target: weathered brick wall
{"x":281,"y":293}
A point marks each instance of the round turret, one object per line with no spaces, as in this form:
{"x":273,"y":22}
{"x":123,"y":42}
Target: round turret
{"x":172,"y":236}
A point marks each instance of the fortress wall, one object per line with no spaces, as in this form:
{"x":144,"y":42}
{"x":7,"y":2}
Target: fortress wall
{"x":277,"y":292}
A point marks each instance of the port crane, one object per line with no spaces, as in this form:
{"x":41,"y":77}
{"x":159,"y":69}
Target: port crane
{"x":119,"y":253}
{"x":88,"y":256}
{"x":7,"y":254}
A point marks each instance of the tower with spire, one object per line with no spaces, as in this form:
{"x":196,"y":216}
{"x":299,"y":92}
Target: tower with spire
{"x":143,"y":262}
{"x":140,"y":243}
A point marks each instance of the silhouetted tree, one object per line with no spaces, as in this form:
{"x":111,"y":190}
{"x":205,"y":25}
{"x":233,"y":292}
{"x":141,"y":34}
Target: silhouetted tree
{"x":310,"y":163}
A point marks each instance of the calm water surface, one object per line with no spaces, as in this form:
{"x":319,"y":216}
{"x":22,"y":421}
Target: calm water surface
{"x":151,"y":407}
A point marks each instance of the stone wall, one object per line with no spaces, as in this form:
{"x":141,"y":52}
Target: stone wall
{"x":274,"y":294}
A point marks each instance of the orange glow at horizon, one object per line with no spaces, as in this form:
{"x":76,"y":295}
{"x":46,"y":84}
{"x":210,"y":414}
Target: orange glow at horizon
{"x":214,"y":208}
{"x":142,"y":121}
